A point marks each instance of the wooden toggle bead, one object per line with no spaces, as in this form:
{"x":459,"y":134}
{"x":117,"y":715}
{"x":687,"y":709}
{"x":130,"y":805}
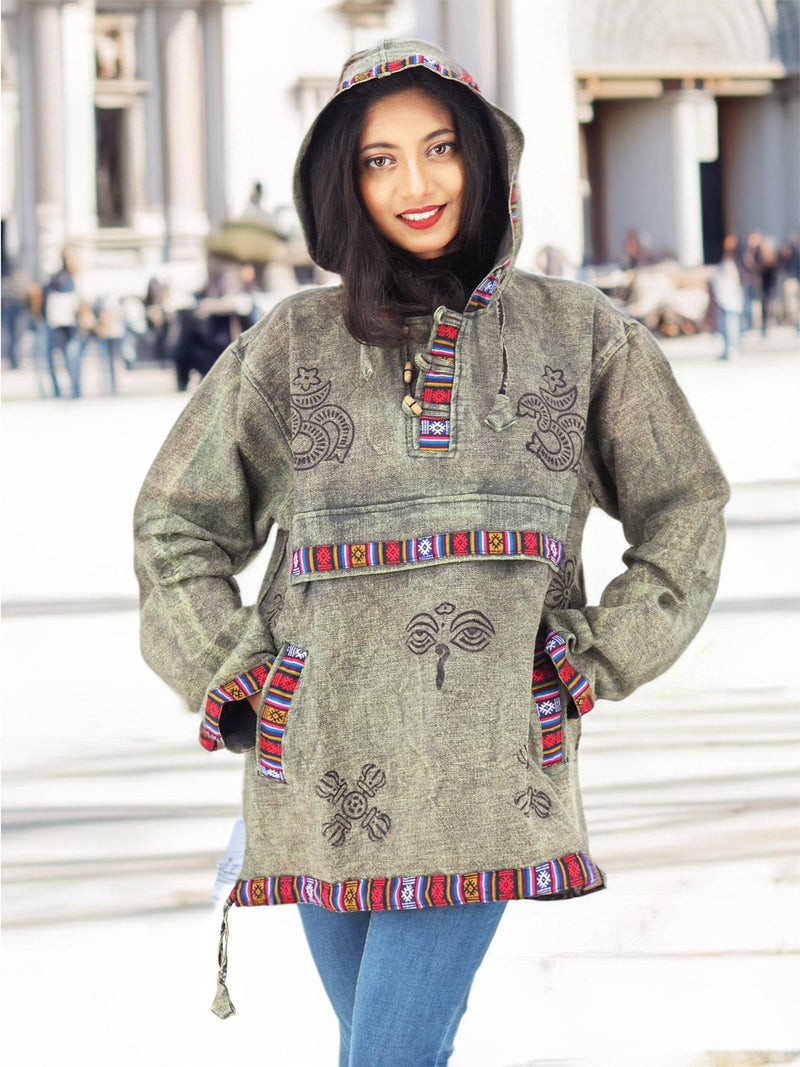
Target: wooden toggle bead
{"x":411,"y":406}
{"x":408,"y":372}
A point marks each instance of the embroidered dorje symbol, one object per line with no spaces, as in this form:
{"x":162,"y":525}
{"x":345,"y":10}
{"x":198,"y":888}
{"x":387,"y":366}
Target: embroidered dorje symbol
{"x":469,"y":631}
{"x":354,"y":808}
{"x":534,"y":800}
{"x":319,"y":430}
{"x":558,"y":440}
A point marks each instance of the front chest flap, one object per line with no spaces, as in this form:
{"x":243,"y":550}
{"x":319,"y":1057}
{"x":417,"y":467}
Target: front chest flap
{"x":361,"y":432}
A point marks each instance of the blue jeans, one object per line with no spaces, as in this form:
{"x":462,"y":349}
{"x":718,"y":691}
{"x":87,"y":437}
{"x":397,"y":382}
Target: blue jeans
{"x":399,"y":980}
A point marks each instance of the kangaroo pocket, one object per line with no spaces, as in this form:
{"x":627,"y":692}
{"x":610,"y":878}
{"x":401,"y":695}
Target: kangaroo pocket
{"x":275,"y":712}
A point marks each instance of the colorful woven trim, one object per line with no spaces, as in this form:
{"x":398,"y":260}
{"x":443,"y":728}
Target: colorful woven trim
{"x":547,"y":697}
{"x":275,"y":711}
{"x":513,"y":206}
{"x":482,"y":296}
{"x":437,"y":391}
{"x":577,"y":684}
{"x":572,"y":874}
{"x":383,"y":69}
{"x":502,"y":543}
{"x":241,"y":687}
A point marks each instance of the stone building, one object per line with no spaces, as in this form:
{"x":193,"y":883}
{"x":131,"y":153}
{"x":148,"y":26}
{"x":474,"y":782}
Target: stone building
{"x":130,"y":127}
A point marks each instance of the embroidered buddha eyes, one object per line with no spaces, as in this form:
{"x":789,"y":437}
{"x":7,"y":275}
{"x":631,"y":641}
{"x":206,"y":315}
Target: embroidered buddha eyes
{"x":443,"y":629}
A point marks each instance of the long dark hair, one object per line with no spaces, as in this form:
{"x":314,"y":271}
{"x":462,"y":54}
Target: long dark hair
{"x":381,"y":282}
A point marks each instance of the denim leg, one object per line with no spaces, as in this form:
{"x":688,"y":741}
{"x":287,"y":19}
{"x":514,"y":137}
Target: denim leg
{"x":337,"y":943}
{"x":416,"y":972}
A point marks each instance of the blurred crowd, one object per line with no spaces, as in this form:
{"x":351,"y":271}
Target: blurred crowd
{"x":252,"y":261}
{"x":755,"y":285}
{"x":54,"y":325}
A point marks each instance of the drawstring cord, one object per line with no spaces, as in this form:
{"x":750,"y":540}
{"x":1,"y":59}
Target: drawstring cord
{"x":365,"y":363}
{"x":502,"y":414}
{"x":223,"y":1006}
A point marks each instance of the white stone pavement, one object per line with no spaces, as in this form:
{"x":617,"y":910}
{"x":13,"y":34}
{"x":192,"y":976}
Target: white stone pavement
{"x":114,"y":816}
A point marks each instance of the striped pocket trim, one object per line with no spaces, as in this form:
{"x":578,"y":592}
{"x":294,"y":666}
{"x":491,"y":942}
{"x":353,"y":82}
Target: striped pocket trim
{"x":275,"y":711}
{"x":547,"y":697}
{"x":238,"y":688}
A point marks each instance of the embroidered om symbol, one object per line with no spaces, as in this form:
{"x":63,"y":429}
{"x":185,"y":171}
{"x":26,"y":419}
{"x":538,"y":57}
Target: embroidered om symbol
{"x":469,"y":631}
{"x":558,"y":442}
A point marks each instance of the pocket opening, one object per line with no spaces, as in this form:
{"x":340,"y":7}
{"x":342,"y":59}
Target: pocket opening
{"x":549,"y":705}
{"x":274,"y":712}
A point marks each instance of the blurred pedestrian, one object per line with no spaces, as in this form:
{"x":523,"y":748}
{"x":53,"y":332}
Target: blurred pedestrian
{"x":728,"y":296}
{"x":750,"y":268}
{"x":68,"y":322}
{"x":789,"y":280}
{"x":766,"y":260}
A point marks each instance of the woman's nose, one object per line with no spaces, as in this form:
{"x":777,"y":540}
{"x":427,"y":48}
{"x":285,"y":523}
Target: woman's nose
{"x":415,"y":179}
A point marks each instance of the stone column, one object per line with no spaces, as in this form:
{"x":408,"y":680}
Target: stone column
{"x":184,"y":150}
{"x":694,"y":140}
{"x":79,"y":126}
{"x":543,"y":101}
{"x":49,"y":177}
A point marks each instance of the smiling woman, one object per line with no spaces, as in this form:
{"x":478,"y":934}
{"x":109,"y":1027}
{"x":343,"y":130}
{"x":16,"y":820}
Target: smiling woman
{"x":411,"y":174}
{"x":393,"y":170}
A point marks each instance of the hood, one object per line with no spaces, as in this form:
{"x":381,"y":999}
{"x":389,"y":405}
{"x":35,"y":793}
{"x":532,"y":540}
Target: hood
{"x":392,"y":57}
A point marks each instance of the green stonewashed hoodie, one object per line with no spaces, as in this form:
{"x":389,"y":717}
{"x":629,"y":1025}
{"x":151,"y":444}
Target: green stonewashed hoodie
{"x":421,"y":641}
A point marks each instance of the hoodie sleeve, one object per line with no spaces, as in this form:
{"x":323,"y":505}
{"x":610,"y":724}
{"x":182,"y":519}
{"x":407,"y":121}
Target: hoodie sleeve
{"x":649,"y":465}
{"x":219,"y":482}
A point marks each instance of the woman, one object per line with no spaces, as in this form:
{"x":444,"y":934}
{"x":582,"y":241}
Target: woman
{"x":428,"y":440}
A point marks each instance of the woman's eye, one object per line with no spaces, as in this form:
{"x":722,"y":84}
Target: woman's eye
{"x":446,"y":148}
{"x":378,"y":162}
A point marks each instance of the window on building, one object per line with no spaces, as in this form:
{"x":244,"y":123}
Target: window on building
{"x":117,"y":93}
{"x":110,"y":148}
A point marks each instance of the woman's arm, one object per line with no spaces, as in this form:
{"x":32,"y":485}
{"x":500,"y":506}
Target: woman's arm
{"x":649,"y":465}
{"x":219,"y":482}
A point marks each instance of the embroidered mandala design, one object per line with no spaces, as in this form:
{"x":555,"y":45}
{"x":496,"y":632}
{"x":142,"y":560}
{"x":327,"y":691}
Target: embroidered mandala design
{"x":558,"y":438}
{"x":320,"y":431}
{"x":353,"y":805}
{"x":559,"y":594}
{"x":533,"y":800}
{"x":443,"y":629}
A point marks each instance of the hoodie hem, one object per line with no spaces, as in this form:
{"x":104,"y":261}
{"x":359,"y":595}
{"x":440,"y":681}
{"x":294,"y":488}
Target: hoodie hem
{"x":571,"y":875}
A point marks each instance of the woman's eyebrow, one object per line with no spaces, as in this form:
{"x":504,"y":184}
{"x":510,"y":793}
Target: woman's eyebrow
{"x":385,"y":144}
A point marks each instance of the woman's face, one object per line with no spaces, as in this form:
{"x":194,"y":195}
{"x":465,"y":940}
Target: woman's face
{"x":410,"y":173}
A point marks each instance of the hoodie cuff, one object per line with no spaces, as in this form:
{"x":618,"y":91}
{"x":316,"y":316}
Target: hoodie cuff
{"x":231,"y":698}
{"x":576,"y":684}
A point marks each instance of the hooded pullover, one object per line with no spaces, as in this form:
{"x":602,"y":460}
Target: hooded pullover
{"x":421,"y":642}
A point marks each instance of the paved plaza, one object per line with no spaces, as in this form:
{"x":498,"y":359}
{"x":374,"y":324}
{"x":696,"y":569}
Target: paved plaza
{"x":115,"y":817}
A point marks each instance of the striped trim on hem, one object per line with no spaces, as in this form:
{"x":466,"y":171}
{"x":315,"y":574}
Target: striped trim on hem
{"x":239,"y":688}
{"x":503,"y":544}
{"x":569,"y":875}
{"x":576,"y":683}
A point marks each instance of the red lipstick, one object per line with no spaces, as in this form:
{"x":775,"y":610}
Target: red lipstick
{"x":423,"y":224}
